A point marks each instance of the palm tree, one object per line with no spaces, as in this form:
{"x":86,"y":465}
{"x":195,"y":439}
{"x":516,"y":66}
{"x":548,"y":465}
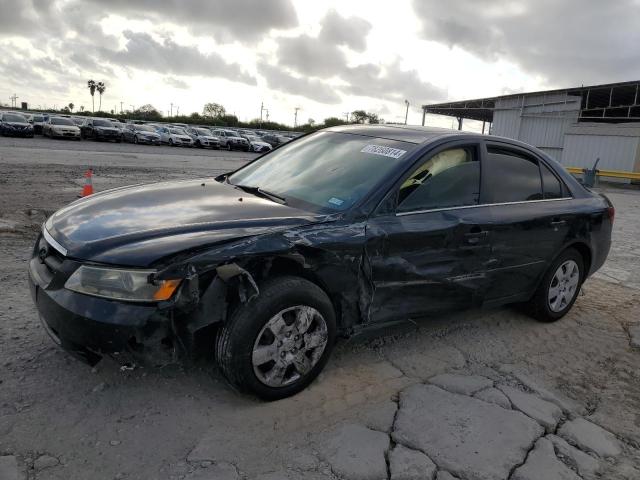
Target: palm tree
{"x":82,"y":108}
{"x":100,"y":87}
{"x":92,"y":90}
{"x":71,"y":105}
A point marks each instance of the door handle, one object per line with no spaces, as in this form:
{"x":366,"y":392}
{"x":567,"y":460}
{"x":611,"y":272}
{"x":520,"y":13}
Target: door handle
{"x":474,"y":238}
{"x":556,"y":222}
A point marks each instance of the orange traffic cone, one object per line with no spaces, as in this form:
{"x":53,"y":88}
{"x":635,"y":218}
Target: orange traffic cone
{"x":88,"y":184}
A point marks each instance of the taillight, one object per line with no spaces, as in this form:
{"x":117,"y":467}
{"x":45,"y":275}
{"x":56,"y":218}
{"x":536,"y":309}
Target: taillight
{"x":611,"y":211}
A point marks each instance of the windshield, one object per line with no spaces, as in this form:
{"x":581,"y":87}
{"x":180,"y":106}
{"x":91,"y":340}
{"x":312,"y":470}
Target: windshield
{"x":177,"y":131}
{"x":329,"y":170}
{"x":202,"y":131}
{"x":61,"y":121}
{"x":102,"y":123}
{"x":11,"y":117}
{"x":38,"y":118}
{"x":144,"y":128}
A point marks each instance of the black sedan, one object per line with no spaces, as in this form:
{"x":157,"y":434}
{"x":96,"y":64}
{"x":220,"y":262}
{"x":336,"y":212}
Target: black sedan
{"x":336,"y":232}
{"x":15,"y":125}
{"x":100,"y":129}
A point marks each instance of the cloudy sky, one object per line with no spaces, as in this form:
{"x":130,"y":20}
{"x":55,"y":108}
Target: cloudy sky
{"x":326,"y":57}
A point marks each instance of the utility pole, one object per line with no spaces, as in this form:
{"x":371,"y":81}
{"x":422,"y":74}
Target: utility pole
{"x":14,"y":101}
{"x":295,"y":117}
{"x":121,"y":107}
{"x":347,"y":116}
{"x":172,"y":109}
{"x":406,"y":115}
{"x":261,"y":109}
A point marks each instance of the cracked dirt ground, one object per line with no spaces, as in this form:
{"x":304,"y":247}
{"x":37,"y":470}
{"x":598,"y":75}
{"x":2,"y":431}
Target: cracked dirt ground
{"x":526,"y":400}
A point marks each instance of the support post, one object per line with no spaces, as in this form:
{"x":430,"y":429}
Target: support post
{"x":460,"y":123}
{"x":424,"y":114}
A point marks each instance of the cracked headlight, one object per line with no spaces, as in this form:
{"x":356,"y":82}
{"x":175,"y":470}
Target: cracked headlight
{"x":118,"y":284}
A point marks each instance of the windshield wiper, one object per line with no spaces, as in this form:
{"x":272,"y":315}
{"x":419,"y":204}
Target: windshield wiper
{"x":263,"y":193}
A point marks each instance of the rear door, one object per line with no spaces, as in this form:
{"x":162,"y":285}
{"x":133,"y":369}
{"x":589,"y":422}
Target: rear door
{"x":531,"y":218}
{"x":430,"y":253}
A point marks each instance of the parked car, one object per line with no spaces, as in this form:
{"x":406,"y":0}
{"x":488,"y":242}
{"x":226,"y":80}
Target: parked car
{"x":79,"y":121}
{"x":339,"y":231}
{"x":100,"y":129}
{"x":38,"y":122}
{"x":230,"y":140}
{"x":174,"y":136}
{"x":140,"y":133}
{"x":61,"y":127}
{"x":275,"y":140}
{"x":15,"y":125}
{"x":203,"y":138}
{"x":256,"y":144}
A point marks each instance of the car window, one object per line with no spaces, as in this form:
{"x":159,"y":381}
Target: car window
{"x":511,"y":176}
{"x":550,"y":183}
{"x":11,"y":117}
{"x":329,"y":171}
{"x":61,"y":121}
{"x":447,"y":179}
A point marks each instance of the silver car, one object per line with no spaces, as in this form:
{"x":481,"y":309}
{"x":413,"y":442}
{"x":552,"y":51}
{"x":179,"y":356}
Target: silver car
{"x":174,"y":136}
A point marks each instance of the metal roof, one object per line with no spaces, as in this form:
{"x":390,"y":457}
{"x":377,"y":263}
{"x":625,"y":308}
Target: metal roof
{"x":608,"y":103}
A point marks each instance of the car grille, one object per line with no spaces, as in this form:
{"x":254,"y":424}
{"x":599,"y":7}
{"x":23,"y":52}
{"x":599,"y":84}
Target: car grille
{"x":50,"y":259}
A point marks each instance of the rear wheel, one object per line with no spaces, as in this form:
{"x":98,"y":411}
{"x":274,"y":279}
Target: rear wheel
{"x":277,"y":343}
{"x":559,"y":288}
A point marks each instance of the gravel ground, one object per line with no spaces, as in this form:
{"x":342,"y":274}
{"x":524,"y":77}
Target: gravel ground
{"x":60,"y":419}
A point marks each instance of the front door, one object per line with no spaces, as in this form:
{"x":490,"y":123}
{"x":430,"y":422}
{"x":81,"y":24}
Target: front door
{"x":430,"y":254}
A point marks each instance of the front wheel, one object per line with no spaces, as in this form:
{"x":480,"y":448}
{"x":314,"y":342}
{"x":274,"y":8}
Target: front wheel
{"x":559,"y":288}
{"x":277,"y":343}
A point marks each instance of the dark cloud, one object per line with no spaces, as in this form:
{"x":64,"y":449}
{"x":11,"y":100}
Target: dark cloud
{"x":225,"y":20}
{"x":390,"y":83}
{"x":143,"y":52}
{"x":568,"y":42}
{"x":339,"y":30}
{"x":279,"y":79}
{"x":310,"y":56}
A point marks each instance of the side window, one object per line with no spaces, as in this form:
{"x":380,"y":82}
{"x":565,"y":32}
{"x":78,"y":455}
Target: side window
{"x":450,"y":178}
{"x":550,"y":184}
{"x":511,"y":176}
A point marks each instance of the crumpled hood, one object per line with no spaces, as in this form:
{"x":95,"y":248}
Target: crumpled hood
{"x":139,"y":225}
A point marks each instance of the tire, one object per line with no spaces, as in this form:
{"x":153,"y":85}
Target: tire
{"x":542,"y":305}
{"x":171,"y":144}
{"x":228,"y":146}
{"x":135,"y":139}
{"x":238,"y":339}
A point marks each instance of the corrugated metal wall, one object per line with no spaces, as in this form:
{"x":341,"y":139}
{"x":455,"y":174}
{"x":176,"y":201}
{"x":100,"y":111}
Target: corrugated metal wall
{"x":617,"y":146}
{"x":540,"y":120}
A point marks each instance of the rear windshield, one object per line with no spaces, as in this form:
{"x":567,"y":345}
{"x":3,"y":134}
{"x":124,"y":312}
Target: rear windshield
{"x":61,"y":121}
{"x":177,"y":131}
{"x":144,"y":128}
{"x":38,"y":118}
{"x":202,"y":131}
{"x":102,"y":123}
{"x":12,"y":117}
{"x":325,"y":171}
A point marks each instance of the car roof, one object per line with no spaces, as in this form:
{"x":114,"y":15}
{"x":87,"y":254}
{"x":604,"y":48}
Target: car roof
{"x":402,"y":133}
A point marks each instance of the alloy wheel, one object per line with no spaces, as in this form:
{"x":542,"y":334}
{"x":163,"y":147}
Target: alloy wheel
{"x":564,"y":286}
{"x":289,"y":345}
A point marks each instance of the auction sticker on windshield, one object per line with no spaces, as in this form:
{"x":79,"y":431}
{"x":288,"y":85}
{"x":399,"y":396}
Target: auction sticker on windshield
{"x":384,"y":151}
